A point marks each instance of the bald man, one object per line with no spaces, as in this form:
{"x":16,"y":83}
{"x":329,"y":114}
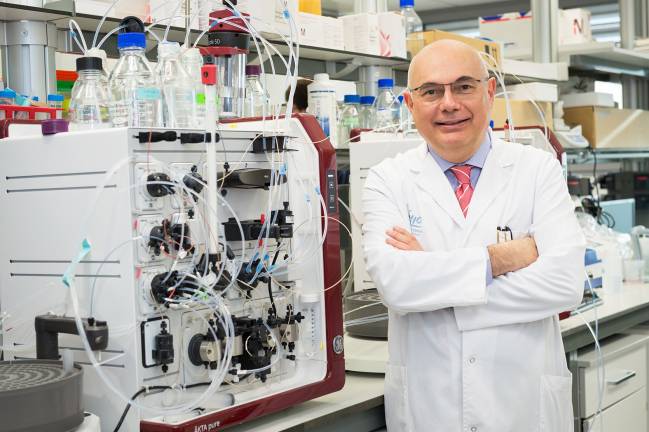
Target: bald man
{"x":474,"y":247}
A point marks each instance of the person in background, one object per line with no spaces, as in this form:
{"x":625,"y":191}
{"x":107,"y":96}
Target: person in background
{"x":301,"y":96}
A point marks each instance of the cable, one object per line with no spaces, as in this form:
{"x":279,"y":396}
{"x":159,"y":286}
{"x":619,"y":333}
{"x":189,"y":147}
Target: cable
{"x":148,"y":390}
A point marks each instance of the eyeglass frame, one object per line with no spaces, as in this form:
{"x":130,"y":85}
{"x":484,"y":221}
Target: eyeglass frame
{"x":465,"y":78}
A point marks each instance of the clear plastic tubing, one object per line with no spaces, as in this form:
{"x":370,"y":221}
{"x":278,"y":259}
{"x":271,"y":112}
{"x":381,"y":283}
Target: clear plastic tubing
{"x":89,"y":99}
{"x":136,"y":96}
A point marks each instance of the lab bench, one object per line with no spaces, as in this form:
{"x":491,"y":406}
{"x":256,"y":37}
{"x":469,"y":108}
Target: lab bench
{"x":358,"y":406}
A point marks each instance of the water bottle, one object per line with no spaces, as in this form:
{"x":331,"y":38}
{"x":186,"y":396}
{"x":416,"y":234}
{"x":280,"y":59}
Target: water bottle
{"x":349,"y":119}
{"x":89,"y":99}
{"x":322,"y":104}
{"x":387,"y":107}
{"x":256,"y":96}
{"x":414,"y":40}
{"x":176,"y":86}
{"x":136,"y":97}
{"x":192,"y":60}
{"x":367,"y":114}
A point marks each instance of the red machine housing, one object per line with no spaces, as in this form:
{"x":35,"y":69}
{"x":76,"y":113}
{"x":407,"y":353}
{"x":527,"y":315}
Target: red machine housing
{"x":334,"y":379}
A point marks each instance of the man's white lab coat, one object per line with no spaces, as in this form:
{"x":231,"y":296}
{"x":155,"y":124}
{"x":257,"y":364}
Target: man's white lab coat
{"x":464,"y":356}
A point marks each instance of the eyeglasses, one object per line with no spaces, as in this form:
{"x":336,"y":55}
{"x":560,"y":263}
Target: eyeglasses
{"x":463,"y":88}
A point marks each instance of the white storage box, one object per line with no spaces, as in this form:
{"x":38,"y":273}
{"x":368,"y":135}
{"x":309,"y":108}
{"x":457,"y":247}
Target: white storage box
{"x":513,"y":30}
{"x":574,"y":26}
{"x":375,"y":34}
{"x":535,"y":91}
{"x":320,"y":31}
{"x":588,"y":99}
{"x":267,"y":16}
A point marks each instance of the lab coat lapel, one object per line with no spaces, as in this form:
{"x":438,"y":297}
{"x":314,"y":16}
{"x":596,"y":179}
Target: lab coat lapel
{"x":495,"y":175}
{"x":433,"y":181}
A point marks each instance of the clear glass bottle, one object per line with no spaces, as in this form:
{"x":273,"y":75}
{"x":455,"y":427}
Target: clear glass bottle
{"x":176,"y":86}
{"x":387,"y":107}
{"x":136,"y":96}
{"x":349,"y":119}
{"x":89,"y":99}
{"x":96,"y":52}
{"x":367,"y":114}
{"x":414,"y":25}
{"x":256,"y":96}
{"x":192,"y":60}
{"x":405,"y":115}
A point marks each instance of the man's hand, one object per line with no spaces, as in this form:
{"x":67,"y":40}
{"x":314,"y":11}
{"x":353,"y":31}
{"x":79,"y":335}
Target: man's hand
{"x":512,"y":255}
{"x":402,"y":239}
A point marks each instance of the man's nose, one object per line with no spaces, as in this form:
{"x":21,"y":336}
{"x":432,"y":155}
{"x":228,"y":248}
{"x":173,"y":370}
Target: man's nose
{"x":448,"y":102}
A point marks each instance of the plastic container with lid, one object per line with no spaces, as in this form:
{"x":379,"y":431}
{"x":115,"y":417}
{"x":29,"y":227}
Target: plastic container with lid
{"x":387,"y":107}
{"x":322,"y":104}
{"x":7,"y":97}
{"x":349,"y":119}
{"x":192,"y":60}
{"x":367,"y":114}
{"x":176,"y":86}
{"x":135,"y":94}
{"x":89,"y":103}
{"x":256,"y":96}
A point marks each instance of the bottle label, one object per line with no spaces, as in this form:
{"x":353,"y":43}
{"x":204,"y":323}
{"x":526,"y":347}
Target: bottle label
{"x":351,"y":123}
{"x":147,"y":94}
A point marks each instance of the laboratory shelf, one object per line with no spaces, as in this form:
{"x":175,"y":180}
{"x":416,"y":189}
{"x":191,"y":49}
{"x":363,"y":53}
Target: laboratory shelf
{"x":60,"y":12}
{"x":605,"y":57}
{"x":587,"y":155}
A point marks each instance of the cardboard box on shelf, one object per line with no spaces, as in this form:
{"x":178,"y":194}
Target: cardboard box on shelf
{"x":380,"y":34}
{"x":536,"y":91}
{"x":515,"y":31}
{"x":268,"y":16}
{"x":611,"y":127}
{"x":493,"y":49}
{"x":524,"y":113}
{"x":588,"y":99}
{"x":574,"y":26}
{"x":320,"y":31}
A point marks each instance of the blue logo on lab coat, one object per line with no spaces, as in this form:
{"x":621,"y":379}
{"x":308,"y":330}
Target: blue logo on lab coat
{"x":416,"y":223}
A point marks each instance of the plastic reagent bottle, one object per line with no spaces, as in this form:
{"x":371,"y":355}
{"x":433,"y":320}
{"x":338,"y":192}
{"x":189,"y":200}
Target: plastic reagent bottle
{"x":89,"y":99}
{"x":256,"y":96}
{"x":387,"y":107}
{"x":414,"y":40}
{"x":176,"y":86}
{"x":322,"y":104}
{"x":404,"y":115}
{"x":136,"y":97}
{"x":349,"y":119}
{"x":192,"y":60}
{"x":367,"y":114}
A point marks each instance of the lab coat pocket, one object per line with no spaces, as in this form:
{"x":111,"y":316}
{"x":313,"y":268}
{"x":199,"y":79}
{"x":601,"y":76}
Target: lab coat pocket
{"x":556,"y":404}
{"x":397,"y":409}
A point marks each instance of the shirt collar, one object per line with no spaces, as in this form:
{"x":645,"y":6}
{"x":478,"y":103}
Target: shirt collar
{"x":477,"y":160}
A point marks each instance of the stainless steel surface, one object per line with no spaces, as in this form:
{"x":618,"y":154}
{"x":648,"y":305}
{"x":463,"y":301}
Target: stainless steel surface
{"x":545,"y":30}
{"x":28,"y":62}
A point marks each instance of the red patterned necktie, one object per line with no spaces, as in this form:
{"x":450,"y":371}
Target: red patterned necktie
{"x":464,"y":191}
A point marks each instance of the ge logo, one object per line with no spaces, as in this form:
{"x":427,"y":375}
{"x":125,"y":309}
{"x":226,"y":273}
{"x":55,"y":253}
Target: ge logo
{"x":338,"y":344}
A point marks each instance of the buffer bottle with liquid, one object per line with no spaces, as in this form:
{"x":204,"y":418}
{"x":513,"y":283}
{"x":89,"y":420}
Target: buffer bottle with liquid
{"x":136,"y":96}
{"x":367,"y":114}
{"x":192,"y":60}
{"x":89,"y":99}
{"x":322,"y":104}
{"x":256,"y":96}
{"x":176,"y":86}
{"x":414,"y":26}
{"x":387,"y":107}
{"x":349,"y":119}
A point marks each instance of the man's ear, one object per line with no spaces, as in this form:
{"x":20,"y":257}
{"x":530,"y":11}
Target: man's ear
{"x":407,"y":97}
